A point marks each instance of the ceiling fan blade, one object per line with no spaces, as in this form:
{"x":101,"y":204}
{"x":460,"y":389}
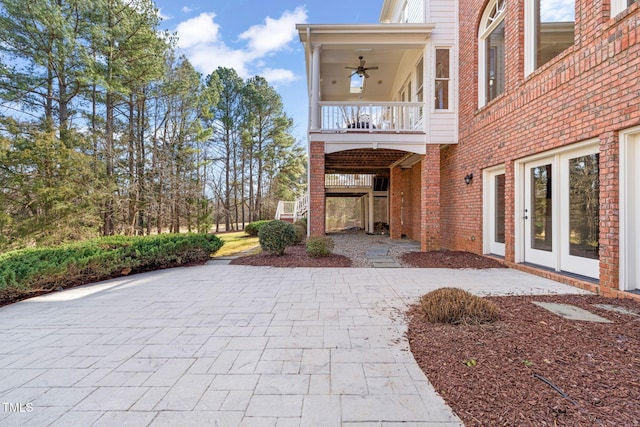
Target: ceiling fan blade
{"x":351,"y":68}
{"x":365,"y":74}
{"x":372,"y":68}
{"x":353,"y":74}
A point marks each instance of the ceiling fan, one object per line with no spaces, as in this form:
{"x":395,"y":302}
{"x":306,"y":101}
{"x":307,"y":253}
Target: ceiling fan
{"x":361,"y":70}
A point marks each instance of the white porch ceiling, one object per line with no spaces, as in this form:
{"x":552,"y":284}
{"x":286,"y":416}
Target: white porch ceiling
{"x":381,"y":45}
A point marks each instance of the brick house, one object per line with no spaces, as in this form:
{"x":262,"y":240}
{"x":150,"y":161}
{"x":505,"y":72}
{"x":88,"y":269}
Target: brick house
{"x":509,"y":128}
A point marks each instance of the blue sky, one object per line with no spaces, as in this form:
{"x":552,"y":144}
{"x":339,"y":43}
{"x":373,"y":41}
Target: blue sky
{"x":258,"y":37}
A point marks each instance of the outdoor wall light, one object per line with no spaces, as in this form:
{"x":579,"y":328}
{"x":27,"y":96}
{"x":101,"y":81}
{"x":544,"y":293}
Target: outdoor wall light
{"x":468,"y":178}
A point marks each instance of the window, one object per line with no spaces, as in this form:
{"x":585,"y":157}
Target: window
{"x":491,"y":52}
{"x":357,"y":84}
{"x":442,"y":74}
{"x":549,"y":28}
{"x":618,"y":6}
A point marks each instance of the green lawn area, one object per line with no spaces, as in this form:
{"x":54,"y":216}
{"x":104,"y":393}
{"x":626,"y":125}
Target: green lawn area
{"x":236,"y":242}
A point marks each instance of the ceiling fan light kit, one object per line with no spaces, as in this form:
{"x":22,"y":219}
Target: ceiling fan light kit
{"x":361,"y":70}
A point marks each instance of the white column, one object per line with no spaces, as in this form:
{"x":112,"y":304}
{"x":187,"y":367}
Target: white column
{"x":371,"y":224}
{"x":315,"y":88}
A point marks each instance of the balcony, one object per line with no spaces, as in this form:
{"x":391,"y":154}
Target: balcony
{"x":334,"y":180}
{"x":379,"y":117}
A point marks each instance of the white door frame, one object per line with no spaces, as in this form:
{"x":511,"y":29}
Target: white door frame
{"x":629,"y":209}
{"x":490,"y":246}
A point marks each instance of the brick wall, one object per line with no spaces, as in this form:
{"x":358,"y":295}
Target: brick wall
{"x":395,"y":203}
{"x":316,"y":189}
{"x":590,"y":91}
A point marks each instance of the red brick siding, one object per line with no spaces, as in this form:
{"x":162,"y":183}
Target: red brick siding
{"x":395,"y":203}
{"x":588,"y":92}
{"x":316,"y":189}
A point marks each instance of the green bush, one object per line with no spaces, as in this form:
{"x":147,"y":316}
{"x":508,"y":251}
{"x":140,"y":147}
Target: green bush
{"x":275,"y":236}
{"x":253,"y":228}
{"x":456,"y":306}
{"x":301,"y":232}
{"x":101,"y":258}
{"x":302,"y":222}
{"x":319,"y":246}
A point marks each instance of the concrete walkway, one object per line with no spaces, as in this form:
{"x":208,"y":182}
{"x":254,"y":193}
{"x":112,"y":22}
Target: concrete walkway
{"x":231,"y":345}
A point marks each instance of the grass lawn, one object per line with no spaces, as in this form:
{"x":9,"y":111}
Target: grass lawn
{"x":235,"y":242}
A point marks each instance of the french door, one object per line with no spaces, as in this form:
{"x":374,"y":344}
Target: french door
{"x":561,"y":211}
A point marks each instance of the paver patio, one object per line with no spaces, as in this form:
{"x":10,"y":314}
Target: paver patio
{"x":231,"y":345}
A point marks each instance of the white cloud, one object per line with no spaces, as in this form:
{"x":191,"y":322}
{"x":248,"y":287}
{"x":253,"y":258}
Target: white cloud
{"x":278,"y":75}
{"x":274,"y":34}
{"x":200,"y":30}
{"x":186,"y":9}
{"x":199,"y":39}
{"x":162,"y":16}
{"x":207,"y":58}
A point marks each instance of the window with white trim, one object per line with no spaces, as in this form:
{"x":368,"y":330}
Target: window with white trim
{"x":618,"y":6}
{"x":442,"y":79}
{"x":549,"y":30}
{"x":491,"y":55}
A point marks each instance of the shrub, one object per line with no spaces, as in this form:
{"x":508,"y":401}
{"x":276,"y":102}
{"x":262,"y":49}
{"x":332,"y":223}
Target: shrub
{"x":275,"y":236}
{"x":253,"y":228}
{"x":302,"y":222}
{"x":301,"y":232}
{"x":456,"y":306}
{"x":319,"y":246}
{"x":101,"y":258}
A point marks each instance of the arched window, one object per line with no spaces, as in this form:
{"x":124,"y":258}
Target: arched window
{"x":491,"y":43}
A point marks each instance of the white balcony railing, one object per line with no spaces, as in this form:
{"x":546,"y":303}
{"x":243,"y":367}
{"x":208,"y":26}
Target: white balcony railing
{"x":372,"y":117}
{"x":333,"y":180}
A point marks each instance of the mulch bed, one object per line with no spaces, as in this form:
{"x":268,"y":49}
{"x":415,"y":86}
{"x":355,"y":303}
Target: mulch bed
{"x":595,"y":364}
{"x":294,"y":256}
{"x":448,"y":259}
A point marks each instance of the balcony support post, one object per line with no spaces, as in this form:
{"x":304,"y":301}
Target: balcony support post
{"x":396,"y":196}
{"x":430,"y":200}
{"x":372,"y":227}
{"x":317,"y":201}
{"x":314,"y":120}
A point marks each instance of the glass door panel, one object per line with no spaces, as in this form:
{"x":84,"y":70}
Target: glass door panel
{"x":584,"y":206}
{"x":495,"y":234}
{"x":542,"y":208}
{"x":500,"y":209}
{"x":581,"y":210}
{"x":539,"y":213}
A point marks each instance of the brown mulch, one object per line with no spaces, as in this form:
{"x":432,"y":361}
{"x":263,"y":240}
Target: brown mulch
{"x":596,"y":365}
{"x":294,"y":256}
{"x":449,"y":259}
